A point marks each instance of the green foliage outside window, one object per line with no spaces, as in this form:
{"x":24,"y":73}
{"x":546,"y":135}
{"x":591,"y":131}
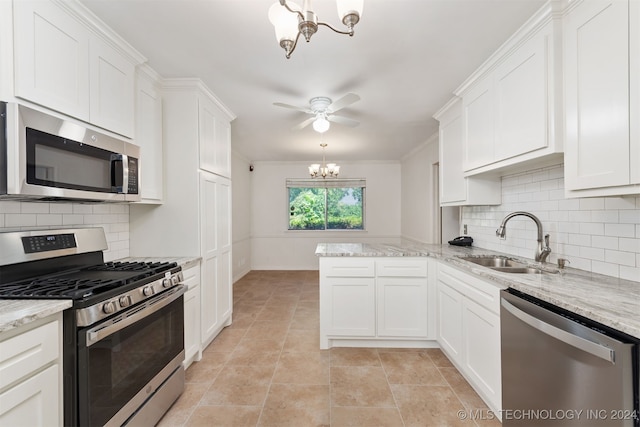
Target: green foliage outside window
{"x":326,"y":208}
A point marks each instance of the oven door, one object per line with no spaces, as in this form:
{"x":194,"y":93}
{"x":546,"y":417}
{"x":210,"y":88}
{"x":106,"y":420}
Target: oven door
{"x":123,"y":360}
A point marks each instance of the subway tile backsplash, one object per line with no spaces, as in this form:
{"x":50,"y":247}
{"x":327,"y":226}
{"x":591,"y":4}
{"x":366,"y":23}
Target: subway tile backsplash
{"x":600,"y":234}
{"x":113,"y":217}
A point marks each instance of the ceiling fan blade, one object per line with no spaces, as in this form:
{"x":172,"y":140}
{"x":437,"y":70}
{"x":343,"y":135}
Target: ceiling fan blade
{"x":303,"y":124}
{"x":345,"y":101}
{"x":343,"y":121}
{"x":292,"y":107}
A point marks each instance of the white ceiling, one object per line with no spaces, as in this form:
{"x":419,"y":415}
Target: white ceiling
{"x":404,"y":61}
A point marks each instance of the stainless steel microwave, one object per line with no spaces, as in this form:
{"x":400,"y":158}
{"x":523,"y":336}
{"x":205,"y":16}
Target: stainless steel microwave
{"x":45,"y":157}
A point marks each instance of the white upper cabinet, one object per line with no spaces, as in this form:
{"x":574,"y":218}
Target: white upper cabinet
{"x":455,"y":188}
{"x":602,"y":74}
{"x":51,"y":58}
{"x":112,"y":88}
{"x":215,"y":138}
{"x":66,"y":61}
{"x":511,"y":112}
{"x":149,"y":135}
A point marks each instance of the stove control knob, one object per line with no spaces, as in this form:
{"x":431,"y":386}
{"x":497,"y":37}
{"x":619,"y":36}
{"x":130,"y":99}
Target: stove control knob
{"x":147,"y":291}
{"x":125,"y":301}
{"x":108,"y":307}
{"x":166,"y":283}
{"x":174,"y":280}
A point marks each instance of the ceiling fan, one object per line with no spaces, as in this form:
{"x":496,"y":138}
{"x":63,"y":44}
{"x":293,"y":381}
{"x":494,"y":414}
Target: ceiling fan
{"x":323,"y":109}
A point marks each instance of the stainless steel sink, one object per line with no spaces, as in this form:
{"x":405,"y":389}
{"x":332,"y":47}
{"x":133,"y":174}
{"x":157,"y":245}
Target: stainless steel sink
{"x":506,"y":265}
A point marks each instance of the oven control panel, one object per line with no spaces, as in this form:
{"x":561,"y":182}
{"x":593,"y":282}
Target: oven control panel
{"x":51,"y":242}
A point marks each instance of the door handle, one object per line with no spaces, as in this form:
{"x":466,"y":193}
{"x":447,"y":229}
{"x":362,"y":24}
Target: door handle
{"x":580,"y":343}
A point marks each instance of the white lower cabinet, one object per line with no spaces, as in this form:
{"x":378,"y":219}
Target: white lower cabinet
{"x":469,"y":330}
{"x":31,"y":374}
{"x":192,"y":348}
{"x":384,"y":302}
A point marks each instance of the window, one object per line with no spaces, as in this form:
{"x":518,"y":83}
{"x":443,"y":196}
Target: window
{"x":336,"y":204}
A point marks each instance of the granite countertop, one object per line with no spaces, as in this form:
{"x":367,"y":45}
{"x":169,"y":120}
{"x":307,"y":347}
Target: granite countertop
{"x":605,"y":299}
{"x":16,"y":313}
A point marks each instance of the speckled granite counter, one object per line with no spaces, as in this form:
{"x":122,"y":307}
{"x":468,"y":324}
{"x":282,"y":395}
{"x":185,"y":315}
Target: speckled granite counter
{"x":610,"y":301}
{"x":16,"y":313}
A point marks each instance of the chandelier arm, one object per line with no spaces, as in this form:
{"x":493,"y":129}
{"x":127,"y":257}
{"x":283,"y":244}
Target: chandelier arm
{"x":295,"y":43}
{"x":297,"y":12}
{"x":348,"y":33}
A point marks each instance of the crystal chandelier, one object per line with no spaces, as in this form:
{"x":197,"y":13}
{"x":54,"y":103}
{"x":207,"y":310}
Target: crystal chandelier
{"x":290,"y":21}
{"x":326,"y":170}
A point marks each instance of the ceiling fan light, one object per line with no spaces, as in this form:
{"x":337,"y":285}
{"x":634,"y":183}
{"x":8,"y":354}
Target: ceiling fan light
{"x":321,"y":124}
{"x":284,"y":22}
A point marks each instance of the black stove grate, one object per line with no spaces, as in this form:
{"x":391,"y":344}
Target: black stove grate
{"x":86,"y":282}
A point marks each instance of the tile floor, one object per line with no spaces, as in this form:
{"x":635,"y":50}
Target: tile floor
{"x":266,"y":370}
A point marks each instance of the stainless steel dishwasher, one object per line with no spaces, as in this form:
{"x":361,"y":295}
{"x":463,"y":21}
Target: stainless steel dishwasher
{"x":561,"y":369}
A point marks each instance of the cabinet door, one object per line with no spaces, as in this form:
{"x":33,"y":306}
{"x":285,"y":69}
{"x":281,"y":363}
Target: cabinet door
{"x":149,"y":138}
{"x":223,"y":148}
{"x":191,"y":324}
{"x":453,"y":185}
{"x":51,"y":58}
{"x":450,"y":321}
{"x":596,"y":66}
{"x":112,"y":88}
{"x":482,"y":350}
{"x":350,"y":303}
{"x":210,"y":260}
{"x":402,"y":306}
{"x":478,"y":125}
{"x":33,"y":402}
{"x":634,"y":92}
{"x":521,"y":100}
{"x":224,"y":286}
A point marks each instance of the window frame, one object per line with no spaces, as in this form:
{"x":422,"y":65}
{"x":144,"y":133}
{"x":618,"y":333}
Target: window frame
{"x":326,"y":184}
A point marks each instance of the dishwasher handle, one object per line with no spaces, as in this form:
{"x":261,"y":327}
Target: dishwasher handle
{"x":590,"y":347}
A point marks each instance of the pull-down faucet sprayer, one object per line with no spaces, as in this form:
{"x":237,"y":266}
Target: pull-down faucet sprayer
{"x":542,"y":252}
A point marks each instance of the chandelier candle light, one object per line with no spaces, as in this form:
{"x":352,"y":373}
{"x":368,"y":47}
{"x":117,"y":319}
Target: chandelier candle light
{"x":330,"y":170}
{"x":290,"y":21}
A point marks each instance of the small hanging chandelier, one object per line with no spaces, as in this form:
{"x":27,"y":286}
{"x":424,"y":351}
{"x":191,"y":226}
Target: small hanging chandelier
{"x":326,"y":170}
{"x":290,"y":21}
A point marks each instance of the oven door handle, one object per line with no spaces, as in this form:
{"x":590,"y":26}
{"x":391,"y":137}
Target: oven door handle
{"x":133,"y":315}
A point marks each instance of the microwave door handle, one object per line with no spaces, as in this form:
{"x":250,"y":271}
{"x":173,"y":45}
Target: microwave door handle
{"x":119,"y":182}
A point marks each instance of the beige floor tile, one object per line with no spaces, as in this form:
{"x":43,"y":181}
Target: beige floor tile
{"x":307,"y":323}
{"x":253,"y":352}
{"x":410,"y":368}
{"x":429,"y":406}
{"x":462,"y":389}
{"x":239,"y":385}
{"x":302,"y":340}
{"x":354,"y":357}
{"x":225,"y":416}
{"x":303,"y":368}
{"x":206,"y":370}
{"x":365,"y":417}
{"x":296,"y":405}
{"x":360,"y":386}
{"x":227,"y":340}
{"x":439,"y":358}
{"x":184,"y":406}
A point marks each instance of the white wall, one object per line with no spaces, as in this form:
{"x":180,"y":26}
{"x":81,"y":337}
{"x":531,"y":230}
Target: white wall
{"x":241,"y":212}
{"x":274,"y":247}
{"x":112,"y":217}
{"x":420,"y":197}
{"x":600,"y":234}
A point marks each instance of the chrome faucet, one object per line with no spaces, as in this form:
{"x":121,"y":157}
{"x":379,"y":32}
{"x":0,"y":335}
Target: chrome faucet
{"x":542,"y":252}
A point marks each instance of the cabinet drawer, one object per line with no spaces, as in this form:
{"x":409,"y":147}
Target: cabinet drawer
{"x":362,"y":267}
{"x":483,"y":293}
{"x":398,"y":267}
{"x":191,"y":277}
{"x":27,"y":352}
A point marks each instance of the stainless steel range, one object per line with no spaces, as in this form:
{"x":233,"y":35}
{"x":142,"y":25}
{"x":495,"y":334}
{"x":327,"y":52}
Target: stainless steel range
{"x":124,"y":335}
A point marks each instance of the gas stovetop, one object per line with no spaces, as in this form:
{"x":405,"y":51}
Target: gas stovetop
{"x":88,"y":282}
